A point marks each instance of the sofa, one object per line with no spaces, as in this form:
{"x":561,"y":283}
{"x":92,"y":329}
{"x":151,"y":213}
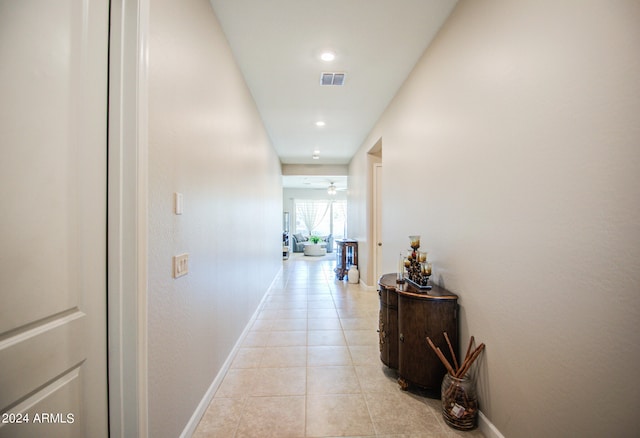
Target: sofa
{"x":298,"y":240}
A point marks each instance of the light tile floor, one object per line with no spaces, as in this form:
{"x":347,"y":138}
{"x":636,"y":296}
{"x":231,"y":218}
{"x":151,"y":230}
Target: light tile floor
{"x":310,"y":367}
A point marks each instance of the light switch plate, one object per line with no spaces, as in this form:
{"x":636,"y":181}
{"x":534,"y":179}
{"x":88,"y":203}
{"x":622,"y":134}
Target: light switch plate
{"x":178,"y":203}
{"x":180,"y":265}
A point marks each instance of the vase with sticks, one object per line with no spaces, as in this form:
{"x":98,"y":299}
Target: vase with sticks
{"x":459,"y":398}
{"x":459,"y":402}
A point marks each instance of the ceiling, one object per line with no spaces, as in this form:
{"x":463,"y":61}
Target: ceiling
{"x":278,"y":43}
{"x":314,"y":182}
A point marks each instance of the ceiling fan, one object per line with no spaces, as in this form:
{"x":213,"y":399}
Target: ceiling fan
{"x":332,"y":189}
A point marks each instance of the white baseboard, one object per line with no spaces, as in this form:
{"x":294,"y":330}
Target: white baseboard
{"x":192,"y":424}
{"x":487,"y":428}
{"x":364,"y":285}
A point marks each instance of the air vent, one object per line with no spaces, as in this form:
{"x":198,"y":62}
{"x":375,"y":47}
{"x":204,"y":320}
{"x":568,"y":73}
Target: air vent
{"x":332,"y":79}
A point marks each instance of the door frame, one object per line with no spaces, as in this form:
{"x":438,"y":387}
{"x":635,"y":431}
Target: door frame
{"x":127,"y":218}
{"x":377,"y":220}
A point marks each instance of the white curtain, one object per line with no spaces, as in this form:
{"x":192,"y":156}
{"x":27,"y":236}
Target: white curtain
{"x":312,"y":213}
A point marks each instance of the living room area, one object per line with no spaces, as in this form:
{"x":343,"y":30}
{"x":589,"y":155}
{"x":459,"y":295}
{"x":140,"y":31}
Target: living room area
{"x":314,"y":213}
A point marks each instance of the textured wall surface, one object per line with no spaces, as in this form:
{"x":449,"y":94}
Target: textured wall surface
{"x":513,"y":149}
{"x":208,"y":142}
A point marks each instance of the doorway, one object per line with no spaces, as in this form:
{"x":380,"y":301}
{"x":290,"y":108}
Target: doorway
{"x":375,"y":158}
{"x":377,"y":218}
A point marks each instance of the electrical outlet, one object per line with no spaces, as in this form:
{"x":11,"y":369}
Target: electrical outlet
{"x":180,"y":265}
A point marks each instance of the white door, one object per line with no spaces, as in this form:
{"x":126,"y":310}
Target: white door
{"x":53,"y":120}
{"x":377,"y":213}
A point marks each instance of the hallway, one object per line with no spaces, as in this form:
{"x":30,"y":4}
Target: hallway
{"x":310,"y":367}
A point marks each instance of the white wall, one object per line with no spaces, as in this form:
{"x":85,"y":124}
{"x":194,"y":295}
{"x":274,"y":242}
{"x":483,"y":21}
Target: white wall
{"x":513,"y":149}
{"x":206,"y":141}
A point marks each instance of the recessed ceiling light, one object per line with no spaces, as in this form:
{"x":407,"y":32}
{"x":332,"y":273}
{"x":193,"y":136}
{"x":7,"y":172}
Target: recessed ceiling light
{"x":320,"y":123}
{"x":328,"y":56}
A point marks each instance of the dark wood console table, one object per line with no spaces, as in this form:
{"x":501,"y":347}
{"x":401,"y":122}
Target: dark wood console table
{"x":346,"y":255}
{"x":407,"y":316}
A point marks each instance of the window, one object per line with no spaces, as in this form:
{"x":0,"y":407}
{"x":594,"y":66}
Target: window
{"x":321,"y":217}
